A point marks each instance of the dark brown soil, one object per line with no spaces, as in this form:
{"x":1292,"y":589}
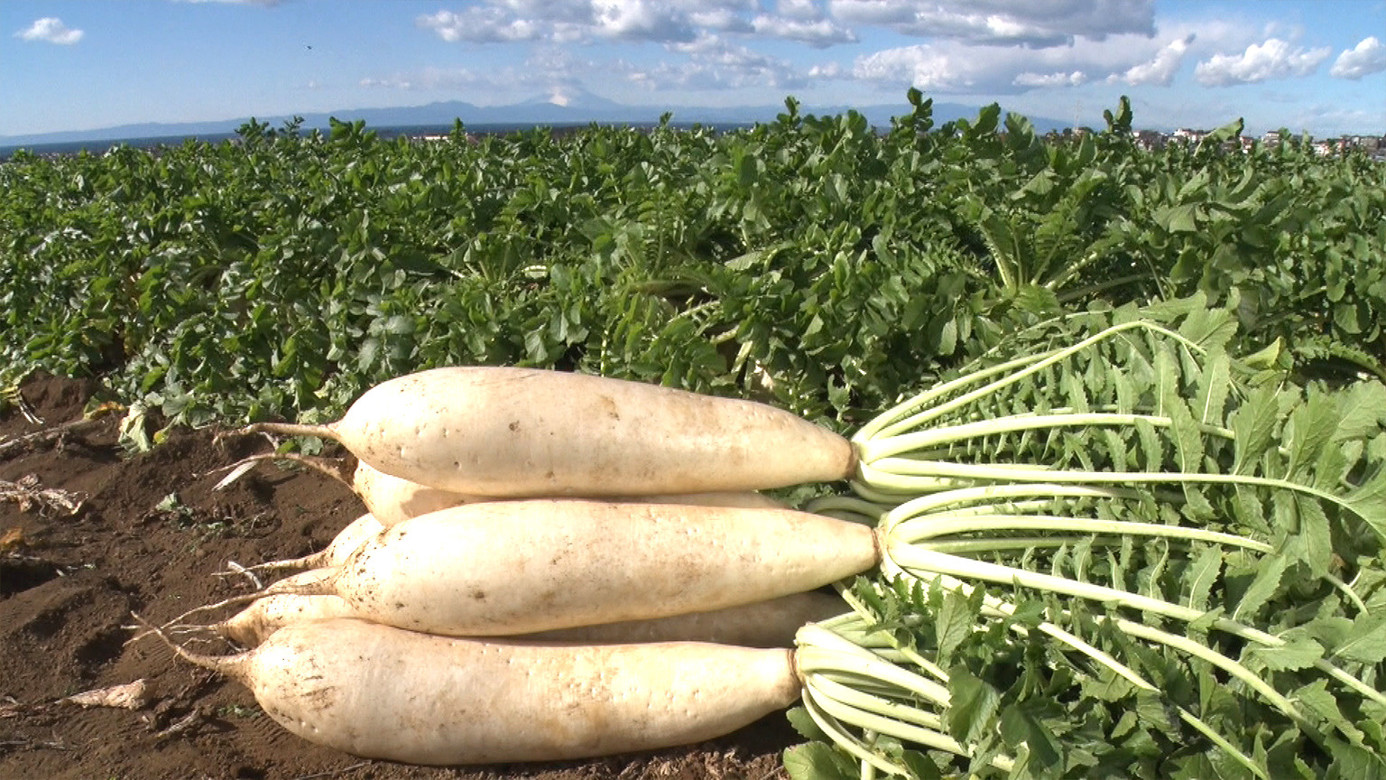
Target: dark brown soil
{"x":70,"y":582}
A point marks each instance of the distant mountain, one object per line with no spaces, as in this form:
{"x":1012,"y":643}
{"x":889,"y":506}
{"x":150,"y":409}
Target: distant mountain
{"x":562,"y":107}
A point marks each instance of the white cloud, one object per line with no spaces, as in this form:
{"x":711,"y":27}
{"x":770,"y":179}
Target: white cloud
{"x":960,"y":67}
{"x":640,"y":20}
{"x":481,"y":25}
{"x":817,"y":23}
{"x":827,"y":70}
{"x":923,"y":66}
{"x":1035,"y":23}
{"x":1274,"y":59}
{"x":713,"y":63}
{"x":52,"y":30}
{"x":1367,"y":57}
{"x":1162,"y":68}
{"x":803,"y":10}
{"x":1074,"y":79}
{"x":586,"y":21}
{"x":819,"y":33}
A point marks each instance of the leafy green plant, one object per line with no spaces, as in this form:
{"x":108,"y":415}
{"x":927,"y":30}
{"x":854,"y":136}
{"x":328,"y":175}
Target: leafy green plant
{"x":1134,"y":554}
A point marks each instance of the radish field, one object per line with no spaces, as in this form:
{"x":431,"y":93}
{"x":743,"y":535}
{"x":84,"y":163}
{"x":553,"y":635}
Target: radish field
{"x":816,"y":261}
{"x":1092,"y":334}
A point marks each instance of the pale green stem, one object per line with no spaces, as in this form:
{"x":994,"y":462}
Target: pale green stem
{"x":850,"y":505}
{"x":921,"y":529}
{"x":929,"y":738}
{"x":913,"y":560}
{"x":880,"y":706}
{"x":840,"y":737}
{"x":1205,"y":653}
{"x":1040,"y":493}
{"x":856,"y":633}
{"x":892,"y":416}
{"x":998,"y":607}
{"x":883,"y":447}
{"x":1347,"y":590}
{"x":1032,"y":366}
{"x":1220,"y":741}
{"x":820,"y":653}
{"x":906,"y":468}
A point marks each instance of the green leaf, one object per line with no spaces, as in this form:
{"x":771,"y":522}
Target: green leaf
{"x":1316,"y":698}
{"x":1314,"y":542}
{"x":1351,"y":762}
{"x":818,"y":761}
{"x":1363,"y":410}
{"x":1253,"y":427}
{"x":1019,"y":727}
{"x":972,"y":707}
{"x":1203,"y":575}
{"x":1183,"y":429}
{"x":1262,"y":588}
{"x":920,"y":765}
{"x":954,"y":621}
{"x":1299,"y":653}
{"x":1311,"y":427}
{"x":399,"y":325}
{"x":1368,"y":500}
{"x":1366,"y":641}
{"x":1214,"y":384}
{"x":1176,"y":219}
{"x":804,"y":724}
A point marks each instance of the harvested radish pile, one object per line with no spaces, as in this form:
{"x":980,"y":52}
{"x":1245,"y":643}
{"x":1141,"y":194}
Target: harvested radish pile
{"x":1106,"y":548}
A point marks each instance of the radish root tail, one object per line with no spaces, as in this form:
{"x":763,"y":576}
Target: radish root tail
{"x":322,"y":586}
{"x":230,"y":665}
{"x":291,"y":429}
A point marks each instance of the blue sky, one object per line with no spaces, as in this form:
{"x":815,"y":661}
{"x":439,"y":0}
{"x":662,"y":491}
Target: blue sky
{"x":1309,"y":65}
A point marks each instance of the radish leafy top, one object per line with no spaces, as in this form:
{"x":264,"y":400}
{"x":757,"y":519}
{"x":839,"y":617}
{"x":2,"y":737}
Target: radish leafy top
{"x":1125,"y":552}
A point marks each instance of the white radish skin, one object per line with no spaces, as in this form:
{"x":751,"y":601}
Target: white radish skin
{"x":770,"y":623}
{"x":513,"y":567}
{"x":264,"y":616}
{"x":393,"y":500}
{"x":745,"y":499}
{"x":513,"y":432}
{"x":414,"y":497}
{"x":380,"y":692}
{"x":337,"y":552}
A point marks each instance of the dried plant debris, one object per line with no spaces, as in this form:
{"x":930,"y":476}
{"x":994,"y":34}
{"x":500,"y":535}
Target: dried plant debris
{"x":31,"y":496}
{"x":129,"y":696}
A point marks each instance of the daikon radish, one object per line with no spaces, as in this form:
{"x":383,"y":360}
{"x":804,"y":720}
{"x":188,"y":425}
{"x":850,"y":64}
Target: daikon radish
{"x":512,"y":567}
{"x":382,"y":692}
{"x":761,"y":624}
{"x":335,"y":553}
{"x":513,"y":432}
{"x":392,"y":500}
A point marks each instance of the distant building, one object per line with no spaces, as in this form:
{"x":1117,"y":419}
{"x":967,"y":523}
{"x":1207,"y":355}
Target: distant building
{"x":1149,"y":140}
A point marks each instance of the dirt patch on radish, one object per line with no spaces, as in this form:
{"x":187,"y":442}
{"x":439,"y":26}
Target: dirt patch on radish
{"x":150,"y":536}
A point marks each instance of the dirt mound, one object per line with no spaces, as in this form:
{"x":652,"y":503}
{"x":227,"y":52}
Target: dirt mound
{"x":149,"y":535}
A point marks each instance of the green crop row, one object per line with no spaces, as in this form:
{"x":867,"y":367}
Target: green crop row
{"x":817,"y":262}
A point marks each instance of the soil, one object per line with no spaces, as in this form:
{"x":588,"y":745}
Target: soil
{"x":152,"y":537}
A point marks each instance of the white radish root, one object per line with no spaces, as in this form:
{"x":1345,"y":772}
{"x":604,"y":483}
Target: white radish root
{"x":392,"y":500}
{"x":335,"y":553}
{"x":514,"y":567}
{"x":513,"y":432}
{"x":770,"y":623}
{"x":381,"y":692}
